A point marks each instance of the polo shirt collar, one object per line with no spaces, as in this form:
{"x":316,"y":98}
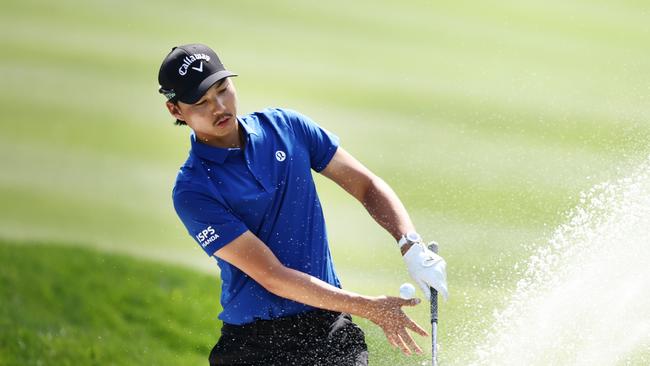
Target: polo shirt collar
{"x":250,"y":130}
{"x":218,"y":154}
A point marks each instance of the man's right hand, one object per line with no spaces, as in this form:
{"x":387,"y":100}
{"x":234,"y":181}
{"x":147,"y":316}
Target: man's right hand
{"x":386,"y":312}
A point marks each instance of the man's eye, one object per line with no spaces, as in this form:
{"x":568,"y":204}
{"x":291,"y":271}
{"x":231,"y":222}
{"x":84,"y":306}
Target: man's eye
{"x":200,"y":103}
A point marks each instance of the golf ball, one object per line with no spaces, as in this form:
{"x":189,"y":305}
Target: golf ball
{"x":407,"y":291}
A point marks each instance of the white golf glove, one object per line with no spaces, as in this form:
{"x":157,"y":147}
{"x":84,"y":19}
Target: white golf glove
{"x":427,"y":268}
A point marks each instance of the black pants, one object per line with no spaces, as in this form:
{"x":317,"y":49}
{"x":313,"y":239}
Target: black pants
{"x":315,"y":338}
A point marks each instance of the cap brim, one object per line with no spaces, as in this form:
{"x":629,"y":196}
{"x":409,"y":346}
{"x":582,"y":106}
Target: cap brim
{"x":194,"y":96}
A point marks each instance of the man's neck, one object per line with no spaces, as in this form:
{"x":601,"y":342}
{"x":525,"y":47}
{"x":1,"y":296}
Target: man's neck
{"x":233,"y":140}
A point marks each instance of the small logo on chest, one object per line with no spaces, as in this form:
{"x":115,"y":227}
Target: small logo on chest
{"x":280,"y":155}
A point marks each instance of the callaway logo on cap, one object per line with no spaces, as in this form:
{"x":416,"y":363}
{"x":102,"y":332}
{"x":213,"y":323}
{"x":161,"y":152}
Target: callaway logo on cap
{"x":189,"y":71}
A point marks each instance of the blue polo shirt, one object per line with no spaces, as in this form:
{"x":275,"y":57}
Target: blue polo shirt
{"x":267,"y":188}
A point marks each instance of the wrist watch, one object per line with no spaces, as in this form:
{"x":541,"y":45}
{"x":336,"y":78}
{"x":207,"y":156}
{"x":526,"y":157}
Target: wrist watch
{"x":409,"y":238}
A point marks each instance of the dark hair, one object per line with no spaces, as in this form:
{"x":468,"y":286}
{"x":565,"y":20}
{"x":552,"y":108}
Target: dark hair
{"x":178,"y":121}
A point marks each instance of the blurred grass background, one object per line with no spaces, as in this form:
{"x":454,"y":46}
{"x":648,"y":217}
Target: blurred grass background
{"x":487,"y":120}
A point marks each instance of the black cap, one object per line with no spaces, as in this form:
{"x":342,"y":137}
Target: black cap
{"x":189,"y":71}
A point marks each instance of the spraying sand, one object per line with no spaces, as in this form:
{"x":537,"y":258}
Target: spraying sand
{"x":585,"y":296}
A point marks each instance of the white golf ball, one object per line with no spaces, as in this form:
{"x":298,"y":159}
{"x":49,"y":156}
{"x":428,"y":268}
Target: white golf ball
{"x":407,"y":291}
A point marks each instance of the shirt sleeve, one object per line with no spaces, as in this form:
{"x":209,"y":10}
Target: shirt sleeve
{"x":321,"y":143}
{"x":207,"y":220}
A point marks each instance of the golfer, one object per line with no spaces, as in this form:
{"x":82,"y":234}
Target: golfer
{"x":246,"y":195}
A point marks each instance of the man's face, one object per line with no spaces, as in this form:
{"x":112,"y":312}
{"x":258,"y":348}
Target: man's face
{"x":214,"y":115}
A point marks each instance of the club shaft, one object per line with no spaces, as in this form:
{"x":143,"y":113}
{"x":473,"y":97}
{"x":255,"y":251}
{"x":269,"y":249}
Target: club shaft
{"x":434,"y":327}
{"x":434,"y":316}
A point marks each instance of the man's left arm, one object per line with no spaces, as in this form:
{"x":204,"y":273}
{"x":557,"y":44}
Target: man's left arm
{"x":375,"y":195}
{"x":427,"y":268}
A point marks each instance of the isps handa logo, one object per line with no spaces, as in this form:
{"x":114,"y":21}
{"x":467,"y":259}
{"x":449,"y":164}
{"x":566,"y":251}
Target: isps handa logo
{"x":207,"y":236}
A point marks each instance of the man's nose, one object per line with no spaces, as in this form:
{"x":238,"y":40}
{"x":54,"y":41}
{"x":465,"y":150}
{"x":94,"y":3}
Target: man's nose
{"x":218,"y":105}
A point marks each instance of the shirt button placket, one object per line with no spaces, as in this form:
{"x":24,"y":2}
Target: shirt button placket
{"x":252,"y":171}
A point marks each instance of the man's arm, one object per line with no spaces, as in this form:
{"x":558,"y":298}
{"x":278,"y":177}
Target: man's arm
{"x":374,"y":194}
{"x":253,"y":257}
{"x":427,"y":268}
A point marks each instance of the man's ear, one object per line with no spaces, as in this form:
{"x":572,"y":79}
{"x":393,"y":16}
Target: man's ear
{"x":174,"y":110}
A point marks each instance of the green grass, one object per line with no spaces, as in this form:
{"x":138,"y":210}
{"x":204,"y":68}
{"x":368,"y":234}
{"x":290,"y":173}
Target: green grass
{"x":487,"y":120}
{"x":73,"y":306}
